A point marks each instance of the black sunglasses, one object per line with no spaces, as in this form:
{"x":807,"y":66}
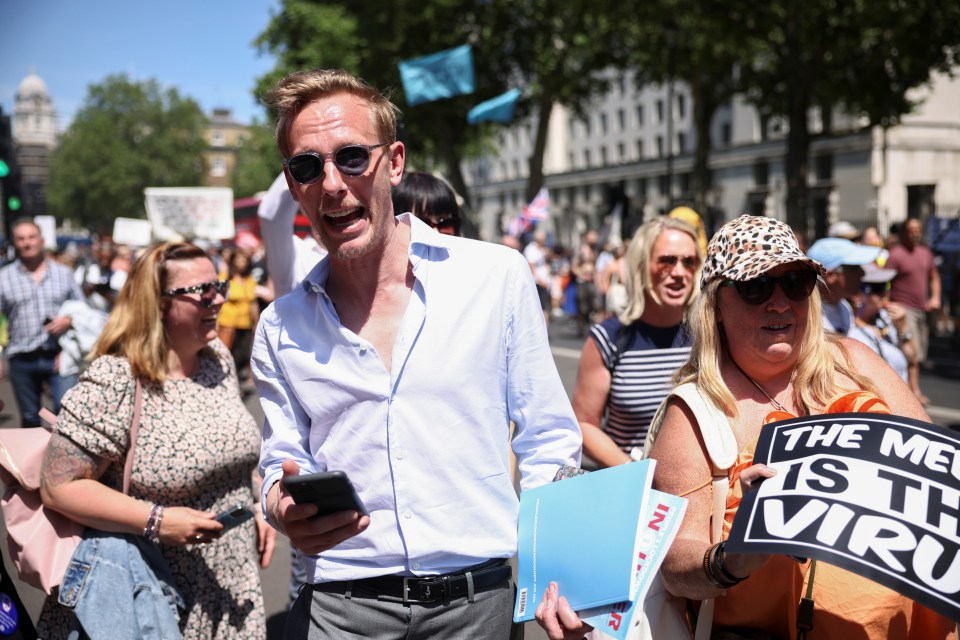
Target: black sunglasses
{"x":450,"y":226}
{"x":796,"y":285}
{"x":220,"y":286}
{"x":351,"y":160}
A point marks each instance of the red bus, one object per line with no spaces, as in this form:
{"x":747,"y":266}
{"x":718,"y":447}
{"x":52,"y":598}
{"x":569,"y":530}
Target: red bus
{"x":245,"y":218}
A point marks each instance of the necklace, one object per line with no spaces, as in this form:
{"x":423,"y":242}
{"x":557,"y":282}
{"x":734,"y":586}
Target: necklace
{"x":773,"y":400}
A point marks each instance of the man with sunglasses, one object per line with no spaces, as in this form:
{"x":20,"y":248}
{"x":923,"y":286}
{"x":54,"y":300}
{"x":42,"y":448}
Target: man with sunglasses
{"x":844,"y":262}
{"x":401,"y":359}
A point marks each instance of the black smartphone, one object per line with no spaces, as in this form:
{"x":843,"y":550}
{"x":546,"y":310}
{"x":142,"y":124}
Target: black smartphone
{"x":331,"y":491}
{"x":234,"y":516}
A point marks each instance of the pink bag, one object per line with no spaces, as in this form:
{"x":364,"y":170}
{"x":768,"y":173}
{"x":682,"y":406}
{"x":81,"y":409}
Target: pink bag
{"x":41,"y":541}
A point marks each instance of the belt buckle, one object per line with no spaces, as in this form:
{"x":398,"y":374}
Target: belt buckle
{"x":425,"y":588}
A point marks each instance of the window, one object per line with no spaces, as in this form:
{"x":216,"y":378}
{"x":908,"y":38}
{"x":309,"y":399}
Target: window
{"x":681,"y":106}
{"x":639,"y":115}
{"x":685,"y":180}
{"x":516,"y":169}
{"x":639,"y":149}
{"x":218,"y":166}
{"x":603,"y":156}
{"x":824,"y":168}
{"x":570,"y":160}
{"x":726,"y":133}
{"x":642,"y":188}
{"x":586,"y":158}
{"x":681,"y":142}
{"x":622,"y":152}
{"x":621,"y":119}
{"x":761,"y":174}
{"x":603,"y":123}
{"x":586,"y":126}
{"x":659,"y":146}
{"x":664,"y":185}
{"x":622,"y":84}
{"x":217,"y":138}
{"x":659,"y":110}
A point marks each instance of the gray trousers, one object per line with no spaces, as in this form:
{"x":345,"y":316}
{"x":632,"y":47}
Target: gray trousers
{"x":318,"y":615}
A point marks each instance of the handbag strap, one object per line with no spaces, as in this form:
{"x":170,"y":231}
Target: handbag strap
{"x":134,"y":428}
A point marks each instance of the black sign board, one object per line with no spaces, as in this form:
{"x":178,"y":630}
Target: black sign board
{"x":876,"y":494}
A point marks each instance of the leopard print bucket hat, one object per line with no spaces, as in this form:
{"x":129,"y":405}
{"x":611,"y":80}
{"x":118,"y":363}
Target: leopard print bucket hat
{"x":749,"y":246}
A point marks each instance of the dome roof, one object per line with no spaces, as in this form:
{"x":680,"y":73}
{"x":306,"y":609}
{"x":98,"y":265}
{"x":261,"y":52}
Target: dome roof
{"x":32,"y":86}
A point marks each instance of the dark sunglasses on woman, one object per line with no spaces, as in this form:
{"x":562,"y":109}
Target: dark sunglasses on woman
{"x":796,"y":285}
{"x":220,"y":286}
{"x":350,"y":160}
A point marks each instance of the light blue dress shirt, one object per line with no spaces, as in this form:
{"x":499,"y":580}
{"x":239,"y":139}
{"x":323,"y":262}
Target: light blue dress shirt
{"x":426,"y":444}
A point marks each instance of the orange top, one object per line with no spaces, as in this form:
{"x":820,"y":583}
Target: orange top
{"x":847,"y":606}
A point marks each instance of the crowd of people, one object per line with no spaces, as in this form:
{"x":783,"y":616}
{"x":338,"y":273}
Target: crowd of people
{"x":417,"y":361}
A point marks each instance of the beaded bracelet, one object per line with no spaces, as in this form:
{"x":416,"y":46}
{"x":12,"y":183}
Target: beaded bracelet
{"x":152,"y":530}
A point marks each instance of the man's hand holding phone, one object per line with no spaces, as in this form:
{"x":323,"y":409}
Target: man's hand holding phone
{"x":308,"y":531}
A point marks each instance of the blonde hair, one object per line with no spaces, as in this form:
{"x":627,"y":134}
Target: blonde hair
{"x":292,"y":93}
{"x":637,"y":265}
{"x":135,"y":329}
{"x":814,"y":381}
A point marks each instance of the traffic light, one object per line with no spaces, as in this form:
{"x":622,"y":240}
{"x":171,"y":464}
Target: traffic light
{"x":11,"y":197}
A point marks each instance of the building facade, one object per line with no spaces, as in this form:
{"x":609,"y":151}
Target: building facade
{"x":636,"y":147}
{"x":224,"y":136}
{"x":35,"y":133}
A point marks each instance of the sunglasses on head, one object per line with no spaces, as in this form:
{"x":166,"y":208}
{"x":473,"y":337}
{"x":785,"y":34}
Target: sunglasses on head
{"x":796,"y":285}
{"x":220,"y":286}
{"x":690,"y":263}
{"x":350,"y":160}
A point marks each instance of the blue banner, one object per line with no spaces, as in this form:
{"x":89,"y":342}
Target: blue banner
{"x":499,"y":109}
{"x":440,"y":75}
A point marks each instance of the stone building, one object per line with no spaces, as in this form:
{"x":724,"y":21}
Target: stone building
{"x":35,"y":134}
{"x":224,"y":136}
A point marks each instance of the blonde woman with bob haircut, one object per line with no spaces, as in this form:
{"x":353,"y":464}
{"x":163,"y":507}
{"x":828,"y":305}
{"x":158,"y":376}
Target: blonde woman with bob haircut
{"x":628,"y":361}
{"x":196,"y":450}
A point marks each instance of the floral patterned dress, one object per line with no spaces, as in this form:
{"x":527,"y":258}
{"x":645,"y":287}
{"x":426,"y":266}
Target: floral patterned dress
{"x":197,"y":447}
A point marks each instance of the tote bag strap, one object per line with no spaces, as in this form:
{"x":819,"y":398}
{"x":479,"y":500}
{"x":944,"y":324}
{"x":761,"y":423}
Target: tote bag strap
{"x":134,"y":428}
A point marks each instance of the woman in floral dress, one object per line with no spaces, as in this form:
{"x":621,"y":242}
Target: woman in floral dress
{"x":195,"y":454}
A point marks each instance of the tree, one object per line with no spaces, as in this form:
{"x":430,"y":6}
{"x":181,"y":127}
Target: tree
{"x":861,"y":55}
{"x":554,"y":49}
{"x":127,"y":136}
{"x":258,"y":162}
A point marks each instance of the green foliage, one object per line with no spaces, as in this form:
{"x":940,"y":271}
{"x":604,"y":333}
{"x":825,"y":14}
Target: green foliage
{"x":257,"y":162}
{"x":127,"y":136}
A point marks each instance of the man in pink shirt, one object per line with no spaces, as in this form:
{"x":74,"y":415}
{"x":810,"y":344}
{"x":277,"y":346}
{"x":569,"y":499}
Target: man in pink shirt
{"x":916,"y":287}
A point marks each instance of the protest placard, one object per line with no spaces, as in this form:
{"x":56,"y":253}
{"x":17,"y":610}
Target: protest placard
{"x":876,"y":494}
{"x":190,"y":212}
{"x":132,"y":232}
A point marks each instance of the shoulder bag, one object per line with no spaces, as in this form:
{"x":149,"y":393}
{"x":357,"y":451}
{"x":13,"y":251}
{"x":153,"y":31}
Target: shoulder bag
{"x":39,"y":539}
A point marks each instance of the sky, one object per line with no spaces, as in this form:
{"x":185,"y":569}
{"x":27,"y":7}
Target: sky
{"x":202,"y":48}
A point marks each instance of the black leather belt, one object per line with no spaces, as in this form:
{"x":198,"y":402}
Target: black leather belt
{"x":433,"y":589}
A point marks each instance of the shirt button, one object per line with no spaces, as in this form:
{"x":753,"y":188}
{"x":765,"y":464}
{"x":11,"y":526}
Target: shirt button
{"x":363,"y":349}
{"x":400,"y":454}
{"x":416,"y":565}
{"x":408,"y":514}
{"x":315,"y":288}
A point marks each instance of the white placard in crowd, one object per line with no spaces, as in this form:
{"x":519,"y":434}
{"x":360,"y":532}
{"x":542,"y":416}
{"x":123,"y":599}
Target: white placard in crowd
{"x":190,"y":212}
{"x":132,"y":232}
{"x":48,"y":229}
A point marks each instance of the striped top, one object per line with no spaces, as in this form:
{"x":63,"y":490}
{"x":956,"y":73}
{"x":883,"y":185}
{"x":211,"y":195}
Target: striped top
{"x":640,"y":379}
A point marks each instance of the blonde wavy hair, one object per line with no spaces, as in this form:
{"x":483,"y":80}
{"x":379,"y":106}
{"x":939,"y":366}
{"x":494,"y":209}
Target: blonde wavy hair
{"x":135,"y":329}
{"x":637,"y":265}
{"x":295,"y":91}
{"x":814,"y":379}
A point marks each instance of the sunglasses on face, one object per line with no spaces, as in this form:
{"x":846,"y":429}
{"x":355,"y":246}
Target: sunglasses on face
{"x":351,"y":160}
{"x":220,"y":286}
{"x":879,"y":288}
{"x":666,"y":263}
{"x":449,"y":226}
{"x":796,"y":285}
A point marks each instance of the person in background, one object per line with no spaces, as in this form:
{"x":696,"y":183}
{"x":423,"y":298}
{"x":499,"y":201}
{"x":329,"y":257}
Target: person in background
{"x":916,"y":287}
{"x":692,"y":218}
{"x":583,"y":268}
{"x":289,"y":257}
{"x":843,"y":261}
{"x":195,"y":455}
{"x":537,"y":255}
{"x":431,"y":199}
{"x":367,"y":368}
{"x":240,"y":311}
{"x":628,"y":360}
{"x":877,"y":320}
{"x":32,"y":290}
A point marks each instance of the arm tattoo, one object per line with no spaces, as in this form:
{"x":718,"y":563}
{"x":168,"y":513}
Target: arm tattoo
{"x":66,"y":461}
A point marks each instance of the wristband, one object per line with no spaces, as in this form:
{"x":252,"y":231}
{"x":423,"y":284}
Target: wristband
{"x":152,"y":530}
{"x":713,"y":568}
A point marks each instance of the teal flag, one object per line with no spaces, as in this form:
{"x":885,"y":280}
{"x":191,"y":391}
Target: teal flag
{"x":499,"y":109}
{"x":440,"y":75}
